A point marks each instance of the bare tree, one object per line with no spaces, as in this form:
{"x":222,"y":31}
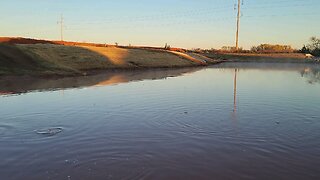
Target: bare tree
{"x":314,"y":46}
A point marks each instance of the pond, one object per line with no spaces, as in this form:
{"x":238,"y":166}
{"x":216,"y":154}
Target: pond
{"x":231,"y":121}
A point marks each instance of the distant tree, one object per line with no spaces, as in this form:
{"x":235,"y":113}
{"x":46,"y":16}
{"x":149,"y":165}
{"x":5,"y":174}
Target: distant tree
{"x":197,"y":50}
{"x":230,"y":49}
{"x":270,"y":48}
{"x":305,"y":49}
{"x":315,"y":43}
{"x":167,"y":47}
{"x":116,"y":43}
{"x":316,"y":52}
{"x":213,"y":50}
{"x":314,"y":46}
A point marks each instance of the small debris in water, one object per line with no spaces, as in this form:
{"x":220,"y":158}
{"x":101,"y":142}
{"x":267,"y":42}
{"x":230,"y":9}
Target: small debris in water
{"x":277,"y":122}
{"x":49,"y":132}
{"x":67,"y":161}
{"x":186,"y":112}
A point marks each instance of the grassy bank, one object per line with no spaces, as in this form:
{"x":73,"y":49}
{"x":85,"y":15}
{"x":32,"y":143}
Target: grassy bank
{"x":20,"y":56}
{"x":15,"y":61}
{"x":50,"y":58}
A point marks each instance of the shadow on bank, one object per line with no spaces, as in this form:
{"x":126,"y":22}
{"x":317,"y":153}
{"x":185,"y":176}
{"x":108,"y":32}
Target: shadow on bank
{"x":19,"y":56}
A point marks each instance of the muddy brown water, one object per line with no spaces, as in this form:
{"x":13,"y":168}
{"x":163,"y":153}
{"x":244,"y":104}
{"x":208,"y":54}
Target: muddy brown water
{"x":232,"y":121}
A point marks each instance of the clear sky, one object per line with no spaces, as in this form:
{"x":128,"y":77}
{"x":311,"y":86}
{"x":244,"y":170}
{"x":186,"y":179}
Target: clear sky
{"x":180,"y":23}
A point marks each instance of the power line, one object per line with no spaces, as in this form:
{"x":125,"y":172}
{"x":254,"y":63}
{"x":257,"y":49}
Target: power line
{"x":283,"y":15}
{"x":285,"y":1}
{"x":181,"y":15}
{"x":279,"y":6}
{"x":198,"y":21}
{"x":158,"y":25}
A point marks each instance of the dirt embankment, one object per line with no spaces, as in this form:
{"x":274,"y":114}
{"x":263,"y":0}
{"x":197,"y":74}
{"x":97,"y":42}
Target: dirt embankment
{"x":39,"y":57}
{"x":15,"y":61}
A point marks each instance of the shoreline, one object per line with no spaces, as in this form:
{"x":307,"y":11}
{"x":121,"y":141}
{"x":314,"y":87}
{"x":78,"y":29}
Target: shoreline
{"x":263,"y":58}
{"x":53,"y":59}
{"x":48,"y":58}
{"x":12,"y":85}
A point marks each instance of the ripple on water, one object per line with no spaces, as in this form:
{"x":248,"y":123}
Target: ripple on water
{"x":4,"y":128}
{"x":49,"y":131}
{"x":164,"y":130}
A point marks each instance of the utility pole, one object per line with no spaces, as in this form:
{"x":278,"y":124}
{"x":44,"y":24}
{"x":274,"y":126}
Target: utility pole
{"x":61,"y":22}
{"x":238,"y":25}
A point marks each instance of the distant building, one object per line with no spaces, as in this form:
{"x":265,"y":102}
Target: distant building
{"x":309,"y":56}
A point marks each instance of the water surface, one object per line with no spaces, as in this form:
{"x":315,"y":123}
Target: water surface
{"x":233,"y":121}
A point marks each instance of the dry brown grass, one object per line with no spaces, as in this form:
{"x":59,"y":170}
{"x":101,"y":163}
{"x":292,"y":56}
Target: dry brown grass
{"x":54,"y":57}
{"x":67,"y":57}
{"x":273,"y":55}
{"x":255,"y":57}
{"x":79,"y":58}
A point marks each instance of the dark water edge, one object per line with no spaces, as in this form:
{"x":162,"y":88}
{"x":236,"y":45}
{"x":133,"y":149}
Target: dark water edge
{"x":24,"y":84}
{"x":11,"y":85}
{"x":231,"y":121}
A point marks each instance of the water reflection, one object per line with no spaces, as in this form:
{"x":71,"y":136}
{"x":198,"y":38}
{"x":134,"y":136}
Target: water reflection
{"x":310,"y":71}
{"x":312,"y":74}
{"x":234,"y":112}
{"x":18,"y":85}
{"x":176,"y":128}
{"x":268,"y":66}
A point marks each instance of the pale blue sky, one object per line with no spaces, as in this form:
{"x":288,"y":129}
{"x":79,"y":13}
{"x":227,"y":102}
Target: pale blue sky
{"x":180,"y":23}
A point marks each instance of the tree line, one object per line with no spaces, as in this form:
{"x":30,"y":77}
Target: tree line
{"x":313,"y":47}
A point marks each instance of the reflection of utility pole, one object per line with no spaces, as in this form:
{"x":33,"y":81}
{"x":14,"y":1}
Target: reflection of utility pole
{"x":238,"y":25}
{"x":61,"y":92}
{"x":235,"y":91}
{"x":61,"y":22}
